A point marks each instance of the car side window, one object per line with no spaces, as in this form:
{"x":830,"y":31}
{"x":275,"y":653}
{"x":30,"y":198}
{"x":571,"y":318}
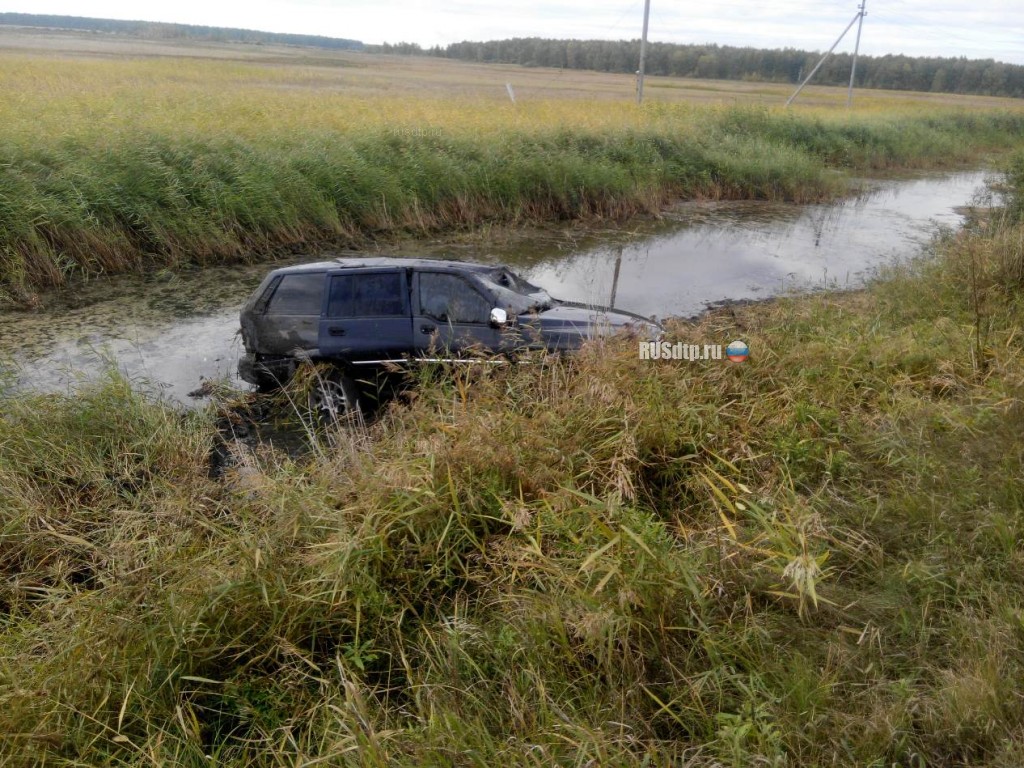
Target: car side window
{"x":451,"y":299}
{"x":298,"y":294}
{"x":377,"y":294}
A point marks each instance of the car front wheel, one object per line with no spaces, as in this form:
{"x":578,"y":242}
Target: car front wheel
{"x":333,"y":397}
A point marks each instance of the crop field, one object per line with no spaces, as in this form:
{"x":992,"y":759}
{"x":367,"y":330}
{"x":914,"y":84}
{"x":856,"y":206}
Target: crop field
{"x":363,"y":74}
{"x":74,"y":86}
{"x":127,"y":154}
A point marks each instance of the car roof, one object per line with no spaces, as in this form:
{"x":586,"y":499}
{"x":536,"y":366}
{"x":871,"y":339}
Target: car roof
{"x":354,"y":262}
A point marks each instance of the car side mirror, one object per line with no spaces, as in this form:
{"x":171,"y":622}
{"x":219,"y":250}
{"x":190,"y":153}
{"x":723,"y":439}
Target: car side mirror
{"x":499,"y":317}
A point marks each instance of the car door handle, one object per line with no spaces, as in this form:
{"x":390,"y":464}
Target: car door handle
{"x":336,"y":331}
{"x":427,"y":329}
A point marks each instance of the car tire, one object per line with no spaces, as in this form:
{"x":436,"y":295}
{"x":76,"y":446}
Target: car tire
{"x":334,"y":397}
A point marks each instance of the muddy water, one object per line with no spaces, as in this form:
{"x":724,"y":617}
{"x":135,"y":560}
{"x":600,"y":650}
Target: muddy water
{"x":170,"y":330}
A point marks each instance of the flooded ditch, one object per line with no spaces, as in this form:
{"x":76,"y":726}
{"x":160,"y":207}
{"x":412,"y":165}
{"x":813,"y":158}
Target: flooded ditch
{"x":170,"y":330}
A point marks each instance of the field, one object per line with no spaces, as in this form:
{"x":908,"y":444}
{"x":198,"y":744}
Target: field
{"x":266,"y":68}
{"x":811,"y":558}
{"x":132,"y":155}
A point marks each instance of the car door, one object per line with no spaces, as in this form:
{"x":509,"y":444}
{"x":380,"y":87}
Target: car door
{"x":287,"y":316}
{"x":451,"y":315}
{"x":365,"y":315}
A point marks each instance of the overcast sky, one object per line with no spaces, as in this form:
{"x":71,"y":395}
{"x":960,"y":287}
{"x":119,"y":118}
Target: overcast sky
{"x":979,"y":29}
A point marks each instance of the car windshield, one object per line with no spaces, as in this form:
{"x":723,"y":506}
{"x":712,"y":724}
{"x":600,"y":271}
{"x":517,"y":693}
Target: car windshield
{"x":515,"y":295}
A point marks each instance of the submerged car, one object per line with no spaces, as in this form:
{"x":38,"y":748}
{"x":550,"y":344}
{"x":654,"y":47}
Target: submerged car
{"x":365,"y":315}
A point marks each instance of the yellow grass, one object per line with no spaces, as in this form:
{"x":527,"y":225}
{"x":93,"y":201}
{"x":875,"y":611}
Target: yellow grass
{"x":78,"y":85}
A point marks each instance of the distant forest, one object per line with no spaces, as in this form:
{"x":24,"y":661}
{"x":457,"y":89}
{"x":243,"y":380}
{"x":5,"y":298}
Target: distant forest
{"x":154,"y":30}
{"x":724,"y":62}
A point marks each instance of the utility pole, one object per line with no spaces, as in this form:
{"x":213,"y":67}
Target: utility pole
{"x":856,"y":48}
{"x":827,"y":54}
{"x":643,"y":55}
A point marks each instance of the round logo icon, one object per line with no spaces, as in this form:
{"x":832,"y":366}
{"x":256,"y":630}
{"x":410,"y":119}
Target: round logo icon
{"x":737,"y":351}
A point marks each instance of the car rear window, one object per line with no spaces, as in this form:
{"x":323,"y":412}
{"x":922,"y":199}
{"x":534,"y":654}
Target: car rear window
{"x":298,"y":294}
{"x":378,"y":294}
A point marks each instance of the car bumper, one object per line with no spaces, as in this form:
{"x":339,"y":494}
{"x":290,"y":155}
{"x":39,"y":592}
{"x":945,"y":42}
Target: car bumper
{"x":265,"y":372}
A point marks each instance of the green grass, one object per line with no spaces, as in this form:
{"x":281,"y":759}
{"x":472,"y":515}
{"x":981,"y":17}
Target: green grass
{"x":812,"y":558}
{"x":84,"y":204}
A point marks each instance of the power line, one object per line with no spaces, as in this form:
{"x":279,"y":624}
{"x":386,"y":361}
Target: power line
{"x":623,"y":16}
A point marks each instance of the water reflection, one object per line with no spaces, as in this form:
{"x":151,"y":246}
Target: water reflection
{"x":172,"y":329}
{"x":744,"y":251}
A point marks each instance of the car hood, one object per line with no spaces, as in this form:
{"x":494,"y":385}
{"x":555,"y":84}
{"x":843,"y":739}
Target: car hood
{"x":566,"y":325}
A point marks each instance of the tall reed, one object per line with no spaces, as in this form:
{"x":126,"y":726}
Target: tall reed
{"x":158,"y":174}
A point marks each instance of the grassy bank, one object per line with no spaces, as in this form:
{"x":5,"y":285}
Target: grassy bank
{"x":110,"y":166}
{"x":810,"y":558}
{"x":142,"y":199}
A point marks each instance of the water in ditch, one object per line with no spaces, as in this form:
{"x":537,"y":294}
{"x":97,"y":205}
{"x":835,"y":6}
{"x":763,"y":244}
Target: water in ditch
{"x":171,"y":330}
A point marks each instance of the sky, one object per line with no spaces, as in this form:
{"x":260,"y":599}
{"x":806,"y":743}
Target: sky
{"x":985,"y":29}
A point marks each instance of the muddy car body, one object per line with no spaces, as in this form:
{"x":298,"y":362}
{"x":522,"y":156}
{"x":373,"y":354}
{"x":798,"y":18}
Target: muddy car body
{"x":364,"y":314}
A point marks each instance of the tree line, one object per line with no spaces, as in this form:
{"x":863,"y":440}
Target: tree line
{"x":155,"y":30}
{"x":725,"y":62}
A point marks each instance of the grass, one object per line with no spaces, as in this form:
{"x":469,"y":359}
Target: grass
{"x":141,"y":163}
{"x":811,"y":558}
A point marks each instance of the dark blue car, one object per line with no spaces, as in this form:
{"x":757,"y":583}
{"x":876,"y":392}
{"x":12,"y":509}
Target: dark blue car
{"x":369,"y":314}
